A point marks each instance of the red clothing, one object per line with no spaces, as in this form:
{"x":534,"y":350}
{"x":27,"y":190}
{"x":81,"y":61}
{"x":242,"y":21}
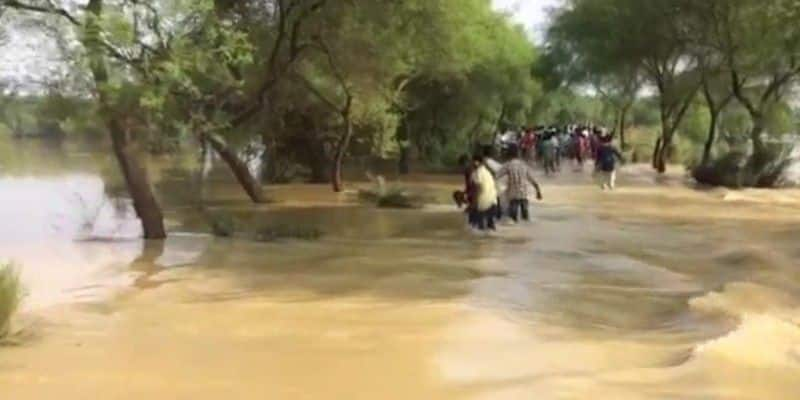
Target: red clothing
{"x":528,"y":141}
{"x":469,"y":187}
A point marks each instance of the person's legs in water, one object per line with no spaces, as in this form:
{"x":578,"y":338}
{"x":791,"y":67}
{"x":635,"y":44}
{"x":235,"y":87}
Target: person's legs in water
{"x":490,"y":214}
{"x":513,"y":210}
{"x":606,"y":180}
{"x":599,"y":178}
{"x":612,"y":180}
{"x":480,"y":218}
{"x":486,"y":220}
{"x":473,"y":217}
{"x":523,"y":208}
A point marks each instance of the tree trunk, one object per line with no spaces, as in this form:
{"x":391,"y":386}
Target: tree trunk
{"x":341,"y":151}
{"x":239,"y":168}
{"x":136,"y":179}
{"x":404,"y":163}
{"x":660,"y":162}
{"x":663,"y":152}
{"x":623,"y":121}
{"x":656,"y":153}
{"x":756,"y":132}
{"x":712,"y":137}
{"x":760,"y":155}
{"x":268,"y":164}
{"x":137,"y":182}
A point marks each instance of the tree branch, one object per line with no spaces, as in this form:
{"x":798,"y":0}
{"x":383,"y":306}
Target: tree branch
{"x":50,"y":9}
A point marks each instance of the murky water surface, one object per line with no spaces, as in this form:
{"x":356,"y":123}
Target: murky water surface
{"x":655,"y":291}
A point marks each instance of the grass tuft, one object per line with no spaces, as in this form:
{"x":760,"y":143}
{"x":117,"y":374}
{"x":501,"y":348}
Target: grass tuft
{"x":10,"y":296}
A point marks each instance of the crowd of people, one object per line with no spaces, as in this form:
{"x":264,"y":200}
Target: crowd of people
{"x":486,"y":200}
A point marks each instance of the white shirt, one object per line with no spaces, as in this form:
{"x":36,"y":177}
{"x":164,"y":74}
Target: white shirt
{"x":493,"y":165}
{"x":487,"y":193}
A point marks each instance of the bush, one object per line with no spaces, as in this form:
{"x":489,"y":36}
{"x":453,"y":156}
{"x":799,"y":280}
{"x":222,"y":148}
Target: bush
{"x":10,"y":296}
{"x":390,"y":197}
{"x":222,"y":225}
{"x":738,"y":170}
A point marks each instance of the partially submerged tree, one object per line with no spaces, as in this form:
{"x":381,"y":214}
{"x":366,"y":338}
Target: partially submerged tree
{"x":758,"y":45}
{"x":88,"y":27}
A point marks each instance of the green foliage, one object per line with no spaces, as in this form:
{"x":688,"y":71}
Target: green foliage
{"x":645,"y":112}
{"x":693,"y":133}
{"x":564,"y":106}
{"x":641,"y":143}
{"x":780,"y":119}
{"x":10,"y":296}
{"x":477,"y":82}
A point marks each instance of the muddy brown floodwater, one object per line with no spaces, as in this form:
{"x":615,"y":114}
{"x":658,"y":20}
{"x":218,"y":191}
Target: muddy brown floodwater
{"x":656,"y":291}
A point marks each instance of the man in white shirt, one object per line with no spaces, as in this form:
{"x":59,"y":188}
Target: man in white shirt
{"x":486,"y":199}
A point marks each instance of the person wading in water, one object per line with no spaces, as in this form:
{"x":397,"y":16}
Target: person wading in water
{"x":486,"y":199}
{"x":519,"y":177}
{"x":606,"y":163}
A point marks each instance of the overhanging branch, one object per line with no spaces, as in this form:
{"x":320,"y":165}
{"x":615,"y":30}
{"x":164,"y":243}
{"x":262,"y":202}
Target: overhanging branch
{"x":49,"y":9}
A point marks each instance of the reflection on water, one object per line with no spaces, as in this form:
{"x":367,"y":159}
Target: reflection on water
{"x":652,"y":292}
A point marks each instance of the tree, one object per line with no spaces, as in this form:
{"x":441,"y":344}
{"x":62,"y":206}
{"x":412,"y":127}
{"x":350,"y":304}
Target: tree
{"x":619,"y":90}
{"x":611,"y":35}
{"x":89,"y":29}
{"x":469,"y":83}
{"x":717,"y":95}
{"x":758,"y":44}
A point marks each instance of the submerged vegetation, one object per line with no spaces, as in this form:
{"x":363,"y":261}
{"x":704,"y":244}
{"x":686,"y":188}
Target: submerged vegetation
{"x":273,"y":233}
{"x":738,"y":170}
{"x":10,"y":296}
{"x":225,"y":225}
{"x":384,"y":195}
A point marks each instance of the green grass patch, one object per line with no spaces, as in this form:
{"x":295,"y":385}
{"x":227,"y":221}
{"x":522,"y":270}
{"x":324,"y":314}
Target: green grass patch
{"x":10,"y":296}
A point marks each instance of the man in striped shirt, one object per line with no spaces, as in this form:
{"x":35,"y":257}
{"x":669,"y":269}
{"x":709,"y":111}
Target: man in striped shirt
{"x":520,"y":178}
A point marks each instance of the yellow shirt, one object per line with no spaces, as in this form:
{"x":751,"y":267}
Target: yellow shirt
{"x":487,"y":192}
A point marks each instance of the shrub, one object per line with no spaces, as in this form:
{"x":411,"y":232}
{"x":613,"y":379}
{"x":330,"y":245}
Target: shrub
{"x":222,"y":225}
{"x":385,"y":196}
{"x":10,"y":296}
{"x":738,"y":170}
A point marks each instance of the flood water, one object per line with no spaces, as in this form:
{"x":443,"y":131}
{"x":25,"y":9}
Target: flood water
{"x":656,"y":291}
